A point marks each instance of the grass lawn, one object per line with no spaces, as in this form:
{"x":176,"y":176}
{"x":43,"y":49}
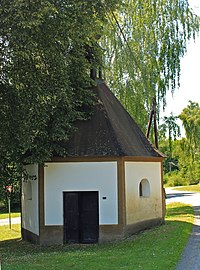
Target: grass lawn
{"x":159,"y":248}
{"x":192,"y":188}
{"x":6,"y":215}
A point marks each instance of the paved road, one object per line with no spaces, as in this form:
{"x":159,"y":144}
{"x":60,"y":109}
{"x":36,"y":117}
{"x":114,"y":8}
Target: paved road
{"x":190,"y":259}
{"x":5,"y":221}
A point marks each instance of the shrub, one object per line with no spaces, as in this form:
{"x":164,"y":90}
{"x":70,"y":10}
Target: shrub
{"x":174,"y":178}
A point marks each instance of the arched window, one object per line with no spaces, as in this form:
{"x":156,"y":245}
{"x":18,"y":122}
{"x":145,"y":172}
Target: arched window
{"x":29,"y":190}
{"x":144,"y":188}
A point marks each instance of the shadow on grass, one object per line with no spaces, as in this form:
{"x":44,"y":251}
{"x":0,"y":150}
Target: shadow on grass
{"x":178,"y":210}
{"x":14,"y":230}
{"x":178,"y":195}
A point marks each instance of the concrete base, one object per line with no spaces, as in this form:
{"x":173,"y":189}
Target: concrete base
{"x":53,"y":235}
{"x":141,"y":226}
{"x":29,"y":236}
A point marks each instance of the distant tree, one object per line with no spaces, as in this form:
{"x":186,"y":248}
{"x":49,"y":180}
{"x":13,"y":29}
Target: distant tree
{"x":10,"y":176}
{"x":183,"y":166}
{"x":171,"y":161}
{"x":190,"y":117}
{"x":170,"y":130}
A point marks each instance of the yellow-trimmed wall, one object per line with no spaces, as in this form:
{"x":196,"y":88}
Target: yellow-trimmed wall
{"x":140,"y":208}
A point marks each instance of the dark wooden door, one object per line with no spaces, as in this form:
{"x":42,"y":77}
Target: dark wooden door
{"x":71,"y":217}
{"x":89,"y":217}
{"x":81,"y":217}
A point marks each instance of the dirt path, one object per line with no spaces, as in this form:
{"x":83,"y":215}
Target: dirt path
{"x":190,"y":259}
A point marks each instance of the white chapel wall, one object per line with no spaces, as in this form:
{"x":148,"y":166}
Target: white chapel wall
{"x":30,"y":219}
{"x":141,"y":208}
{"x":81,"y":176}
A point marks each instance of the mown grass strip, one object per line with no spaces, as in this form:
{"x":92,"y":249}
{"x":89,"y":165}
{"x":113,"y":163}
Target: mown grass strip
{"x":192,"y":188}
{"x":158,"y":248}
{"x":6,"y":215}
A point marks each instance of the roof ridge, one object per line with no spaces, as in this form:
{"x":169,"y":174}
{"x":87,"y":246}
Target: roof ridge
{"x":105,"y":108}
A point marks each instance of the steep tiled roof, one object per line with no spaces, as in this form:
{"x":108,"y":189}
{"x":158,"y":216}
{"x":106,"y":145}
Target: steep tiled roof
{"x":111,"y":131}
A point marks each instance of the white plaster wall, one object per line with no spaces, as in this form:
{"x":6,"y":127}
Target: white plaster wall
{"x":30,"y":219}
{"x":143,"y":208}
{"x":81,"y":176}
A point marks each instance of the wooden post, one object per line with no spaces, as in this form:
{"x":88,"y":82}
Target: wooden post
{"x":9,"y":212}
{"x":149,"y":124}
{"x":155,"y":123}
{"x":9,"y":190}
{"x":153,"y":117}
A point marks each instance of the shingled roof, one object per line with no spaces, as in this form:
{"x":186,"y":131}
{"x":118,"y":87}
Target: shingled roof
{"x":111,"y":131}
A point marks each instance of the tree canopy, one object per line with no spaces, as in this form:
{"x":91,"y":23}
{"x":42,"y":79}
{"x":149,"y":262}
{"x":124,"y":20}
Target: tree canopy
{"x":190,"y":117}
{"x":44,"y":73}
{"x":45,"y":63}
{"x":170,"y":129}
{"x":144,"y":44}
{"x":182,"y":164}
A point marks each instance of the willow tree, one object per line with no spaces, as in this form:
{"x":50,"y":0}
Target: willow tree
{"x":190,"y":117}
{"x":170,"y":128}
{"x":144,"y":43}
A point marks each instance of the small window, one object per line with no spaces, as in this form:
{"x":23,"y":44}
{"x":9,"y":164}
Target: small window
{"x":29,"y":190}
{"x":144,"y":188}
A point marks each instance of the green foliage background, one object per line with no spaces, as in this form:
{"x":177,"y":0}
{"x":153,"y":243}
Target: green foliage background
{"x":47,"y":49}
{"x":182,"y":165}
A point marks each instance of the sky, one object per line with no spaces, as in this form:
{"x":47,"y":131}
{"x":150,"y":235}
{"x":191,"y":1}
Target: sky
{"x":190,"y":76}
